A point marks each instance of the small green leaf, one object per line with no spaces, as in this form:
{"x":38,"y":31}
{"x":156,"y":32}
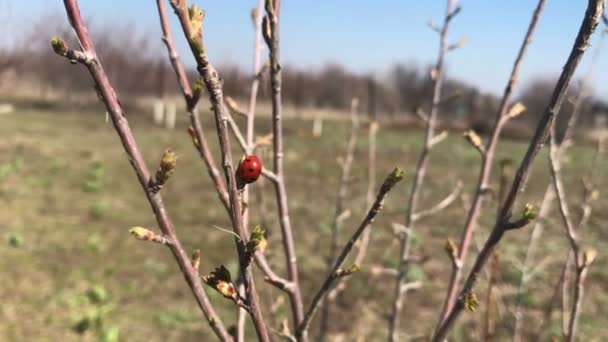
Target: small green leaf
{"x":256,"y":239}
{"x":529,"y":212}
{"x":59,"y":46}
{"x":97,"y":294}
{"x":14,"y":239}
{"x":111,"y":334}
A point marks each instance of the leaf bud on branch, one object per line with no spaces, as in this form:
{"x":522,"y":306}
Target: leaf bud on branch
{"x":145,"y":234}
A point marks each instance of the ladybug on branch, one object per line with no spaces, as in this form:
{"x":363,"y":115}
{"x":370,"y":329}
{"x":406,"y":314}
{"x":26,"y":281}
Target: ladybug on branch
{"x":249,"y":170}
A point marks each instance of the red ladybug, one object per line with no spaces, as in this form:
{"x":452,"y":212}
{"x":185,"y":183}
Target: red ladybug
{"x":250,"y":169}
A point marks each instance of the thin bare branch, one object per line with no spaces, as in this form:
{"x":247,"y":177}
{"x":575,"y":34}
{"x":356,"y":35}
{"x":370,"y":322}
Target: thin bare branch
{"x":198,"y":135}
{"x":249,"y":145}
{"x":555,"y":168}
{"x":489,"y":319}
{"x":558,"y":151}
{"x":270,"y":33}
{"x":485,"y":172}
{"x":581,"y":260}
{"x":383,"y":271}
{"x":446,"y":202}
{"x":391,"y":180}
{"x":594,"y":10}
{"x":437,"y":76}
{"x":339,"y":209}
{"x":363,"y":243}
{"x":123,"y":129}
{"x":526,"y":274}
{"x":192,"y":26}
{"x":236,"y":131}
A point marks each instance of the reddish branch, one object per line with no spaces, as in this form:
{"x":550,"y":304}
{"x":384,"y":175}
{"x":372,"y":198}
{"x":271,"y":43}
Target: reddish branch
{"x":406,"y":239}
{"x":486,"y":167}
{"x":213,"y":85}
{"x":88,"y":57}
{"x":198,"y":135}
{"x":503,"y":223}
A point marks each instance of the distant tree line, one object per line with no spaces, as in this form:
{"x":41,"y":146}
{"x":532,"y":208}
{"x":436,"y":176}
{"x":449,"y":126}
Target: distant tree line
{"x":137,"y":67}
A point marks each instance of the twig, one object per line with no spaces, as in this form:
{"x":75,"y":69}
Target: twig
{"x":257,"y":47}
{"x":363,"y":243}
{"x":270,"y":32}
{"x":559,"y":151}
{"x":565,"y":294}
{"x":346,"y":164}
{"x":546,"y":320}
{"x":545,"y":207}
{"x":446,"y":202}
{"x":537,"y":230}
{"x":581,"y":260}
{"x":489,"y":320}
{"x":485,"y":172}
{"x":121,"y":125}
{"x":594,"y":10}
{"x":193,"y":31}
{"x":196,"y":131}
{"x":249,"y":144}
{"x":383,"y":271}
{"x":198,"y":135}
{"x":391,"y":180}
{"x":405,"y":240}
{"x":236,"y":131}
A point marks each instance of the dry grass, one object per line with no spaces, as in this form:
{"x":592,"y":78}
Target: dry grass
{"x":68,"y":196}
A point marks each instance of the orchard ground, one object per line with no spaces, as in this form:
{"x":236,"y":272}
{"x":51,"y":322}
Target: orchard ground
{"x":71,"y":271}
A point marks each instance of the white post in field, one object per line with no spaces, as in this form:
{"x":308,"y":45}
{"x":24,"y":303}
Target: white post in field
{"x":170,"y":115}
{"x":158,"y":112}
{"x":317,"y":126}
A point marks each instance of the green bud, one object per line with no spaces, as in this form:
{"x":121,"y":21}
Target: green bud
{"x":529,"y":212}
{"x":470,"y":301}
{"x":394,"y":177}
{"x":59,"y":46}
{"x":142,"y":233}
{"x":166,"y":167}
{"x":197,"y":88}
{"x":257,"y":241}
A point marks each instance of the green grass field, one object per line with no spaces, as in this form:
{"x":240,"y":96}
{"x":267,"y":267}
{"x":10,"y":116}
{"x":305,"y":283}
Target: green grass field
{"x":68,"y":196}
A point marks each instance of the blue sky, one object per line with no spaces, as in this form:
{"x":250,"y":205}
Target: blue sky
{"x":370,"y":35}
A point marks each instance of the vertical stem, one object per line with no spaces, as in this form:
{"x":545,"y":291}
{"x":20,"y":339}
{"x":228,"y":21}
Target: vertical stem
{"x":549,"y":196}
{"x":363,"y":244}
{"x":273,"y":19}
{"x":389,"y":182}
{"x":200,"y":140}
{"x":339,"y":210}
{"x":579,"y":291}
{"x":488,"y":322}
{"x":486,"y":167}
{"x":405,"y":240}
{"x":214,"y":89}
{"x":565,"y":293}
{"x":136,"y":159}
{"x":253,"y":96}
{"x":537,"y":230}
{"x":257,"y":50}
{"x":594,"y":10}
